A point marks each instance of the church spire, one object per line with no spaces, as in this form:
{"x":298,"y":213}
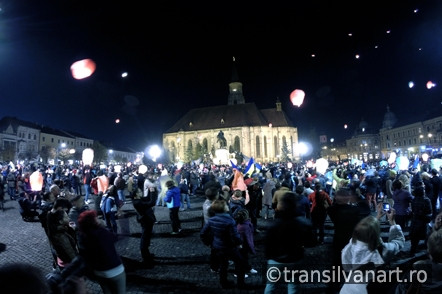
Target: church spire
{"x":235,"y":88}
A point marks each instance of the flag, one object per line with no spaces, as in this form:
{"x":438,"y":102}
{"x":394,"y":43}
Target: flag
{"x":233,"y":165}
{"x":416,"y":162}
{"x":252,"y":167}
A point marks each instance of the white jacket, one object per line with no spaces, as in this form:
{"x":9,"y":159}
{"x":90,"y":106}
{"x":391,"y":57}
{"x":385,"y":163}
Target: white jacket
{"x":356,"y":254}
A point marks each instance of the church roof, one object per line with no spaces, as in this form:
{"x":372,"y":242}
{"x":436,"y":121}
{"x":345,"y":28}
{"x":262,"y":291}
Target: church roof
{"x":228,"y":116}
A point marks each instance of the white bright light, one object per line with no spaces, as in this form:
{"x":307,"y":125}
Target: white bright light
{"x":303,"y":148}
{"x":410,"y":84}
{"x":88,"y":156}
{"x":142,"y":169}
{"x":154,"y":152}
{"x":430,"y":85}
{"x":403,"y":162}
{"x":321,"y":165}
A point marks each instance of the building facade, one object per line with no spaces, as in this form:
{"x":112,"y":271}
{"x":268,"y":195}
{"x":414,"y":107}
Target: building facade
{"x":259,"y":133}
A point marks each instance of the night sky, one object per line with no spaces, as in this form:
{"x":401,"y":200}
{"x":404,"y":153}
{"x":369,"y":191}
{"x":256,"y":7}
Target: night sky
{"x":179,"y":56}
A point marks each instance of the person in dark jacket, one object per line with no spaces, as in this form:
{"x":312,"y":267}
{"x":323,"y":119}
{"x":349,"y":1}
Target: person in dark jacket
{"x":221,"y":234}
{"x":421,"y":216}
{"x":285,"y":239}
{"x":345,"y":213}
{"x":146,"y":218}
{"x":62,"y":237}
{"x":97,"y":247}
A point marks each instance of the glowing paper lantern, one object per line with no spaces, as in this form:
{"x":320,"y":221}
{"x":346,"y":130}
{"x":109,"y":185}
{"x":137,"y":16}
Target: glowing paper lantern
{"x":117,"y":168}
{"x":117,"y":121}
{"x":436,"y":163}
{"x":297,"y":97}
{"x":88,"y":156}
{"x":430,"y":84}
{"x":83,"y":68}
{"x":36,"y":180}
{"x":425,"y":157}
{"x":142,"y":169}
{"x":392,"y":158}
{"x":402,"y":162}
{"x":321,"y":165}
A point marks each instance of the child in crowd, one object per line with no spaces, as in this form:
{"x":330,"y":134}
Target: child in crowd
{"x":245,"y":230}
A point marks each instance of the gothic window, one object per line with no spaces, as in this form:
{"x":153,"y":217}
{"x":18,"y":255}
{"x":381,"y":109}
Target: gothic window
{"x":205,"y":145}
{"x":258,"y":147}
{"x":265,"y":146}
{"x":275,"y":146}
{"x":237,"y":144}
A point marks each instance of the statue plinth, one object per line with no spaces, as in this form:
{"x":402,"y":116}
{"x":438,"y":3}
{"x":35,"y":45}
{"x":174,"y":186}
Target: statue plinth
{"x":221,"y":156}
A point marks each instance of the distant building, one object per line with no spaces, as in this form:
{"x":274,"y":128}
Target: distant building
{"x":364,"y":144}
{"x":19,"y":139}
{"x":258,"y":133}
{"x":24,"y":141}
{"x":416,"y":138}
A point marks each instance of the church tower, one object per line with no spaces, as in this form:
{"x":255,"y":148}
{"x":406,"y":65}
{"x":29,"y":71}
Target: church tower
{"x":235,"y":88}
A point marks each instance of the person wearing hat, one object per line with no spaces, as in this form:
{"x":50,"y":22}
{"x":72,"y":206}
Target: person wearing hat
{"x":173,"y":202}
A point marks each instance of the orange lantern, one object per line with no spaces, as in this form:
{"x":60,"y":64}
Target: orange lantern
{"x":297,"y":97}
{"x":36,"y":180}
{"x":83,"y":68}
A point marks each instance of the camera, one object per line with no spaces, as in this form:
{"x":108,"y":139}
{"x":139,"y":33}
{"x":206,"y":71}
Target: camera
{"x":386,"y":207}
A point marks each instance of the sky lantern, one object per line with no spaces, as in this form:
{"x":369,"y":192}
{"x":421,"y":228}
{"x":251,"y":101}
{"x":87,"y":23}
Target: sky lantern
{"x":297,"y":97}
{"x":392,"y":158}
{"x":83,"y":68}
{"x":402,"y":162}
{"x":36,"y":180}
{"x":117,"y":121}
{"x":321,"y":165}
{"x":142,"y":169}
{"x":88,"y":156}
{"x":430,"y":85}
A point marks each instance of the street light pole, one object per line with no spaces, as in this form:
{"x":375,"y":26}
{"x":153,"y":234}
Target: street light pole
{"x":62,"y":145}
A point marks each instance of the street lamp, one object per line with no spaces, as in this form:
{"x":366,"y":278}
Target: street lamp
{"x":154,"y":152}
{"x":110,"y":153}
{"x":61,"y":147}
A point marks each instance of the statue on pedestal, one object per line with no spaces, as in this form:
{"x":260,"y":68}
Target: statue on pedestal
{"x":221,"y":140}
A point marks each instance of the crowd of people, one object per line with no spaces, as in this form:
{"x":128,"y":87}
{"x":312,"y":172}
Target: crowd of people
{"x":296,"y":201}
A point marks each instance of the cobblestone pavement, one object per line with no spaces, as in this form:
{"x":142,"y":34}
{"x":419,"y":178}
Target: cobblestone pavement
{"x":181,"y":260}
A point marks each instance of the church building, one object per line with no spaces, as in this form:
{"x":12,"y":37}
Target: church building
{"x":235,"y":127}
